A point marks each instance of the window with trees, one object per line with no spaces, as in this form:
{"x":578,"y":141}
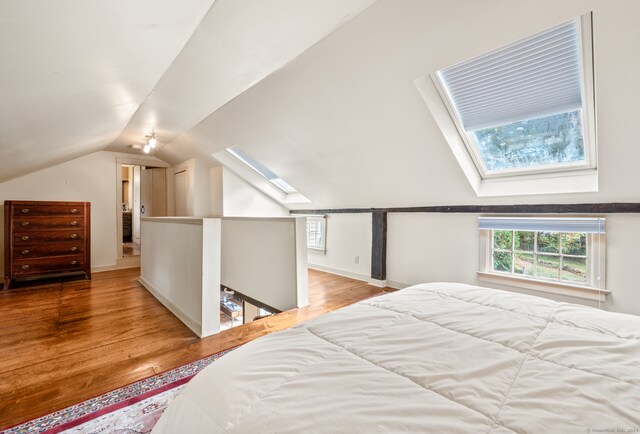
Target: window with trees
{"x":559,"y":256}
{"x":553,"y":251}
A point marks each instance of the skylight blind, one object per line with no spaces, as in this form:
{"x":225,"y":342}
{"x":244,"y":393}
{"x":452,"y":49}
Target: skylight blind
{"x":580,"y":225}
{"x":261,"y":169}
{"x":535,"y":77}
{"x":250,"y":161}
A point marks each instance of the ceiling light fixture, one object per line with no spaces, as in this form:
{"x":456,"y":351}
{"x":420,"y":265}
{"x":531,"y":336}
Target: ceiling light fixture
{"x":151,"y":142}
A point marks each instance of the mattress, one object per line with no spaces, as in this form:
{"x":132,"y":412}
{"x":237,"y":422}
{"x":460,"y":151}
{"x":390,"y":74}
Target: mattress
{"x":432,"y":358}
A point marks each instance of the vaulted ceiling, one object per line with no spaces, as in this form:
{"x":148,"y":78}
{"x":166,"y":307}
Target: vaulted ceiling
{"x":346,"y":126}
{"x":84,"y":75}
{"x":320,"y":91}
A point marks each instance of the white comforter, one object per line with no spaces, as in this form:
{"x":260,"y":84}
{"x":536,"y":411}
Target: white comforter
{"x":433,"y":358}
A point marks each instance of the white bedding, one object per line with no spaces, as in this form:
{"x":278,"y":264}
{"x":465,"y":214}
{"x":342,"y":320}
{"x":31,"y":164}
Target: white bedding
{"x":432,"y":358}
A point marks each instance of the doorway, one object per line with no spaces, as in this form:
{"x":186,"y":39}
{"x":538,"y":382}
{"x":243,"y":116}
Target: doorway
{"x":143,"y":195}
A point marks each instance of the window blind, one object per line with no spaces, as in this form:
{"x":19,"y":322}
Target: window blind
{"x":534,"y":77}
{"x":559,"y":224}
{"x":261,"y":169}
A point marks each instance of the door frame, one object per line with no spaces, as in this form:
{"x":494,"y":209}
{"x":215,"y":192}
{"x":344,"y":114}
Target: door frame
{"x":134,"y":160}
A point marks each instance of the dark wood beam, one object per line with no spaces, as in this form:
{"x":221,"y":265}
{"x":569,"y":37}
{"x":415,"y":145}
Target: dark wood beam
{"x":578,"y":208}
{"x":379,"y":245}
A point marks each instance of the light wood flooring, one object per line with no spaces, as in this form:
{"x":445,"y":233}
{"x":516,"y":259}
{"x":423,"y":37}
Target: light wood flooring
{"x":65,"y":342}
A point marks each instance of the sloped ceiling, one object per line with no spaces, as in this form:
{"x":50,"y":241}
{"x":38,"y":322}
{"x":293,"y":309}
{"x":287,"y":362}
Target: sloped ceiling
{"x":236,"y":45}
{"x":73,"y":72}
{"x":320,"y":91}
{"x":345,"y":125}
{"x":79,"y":76}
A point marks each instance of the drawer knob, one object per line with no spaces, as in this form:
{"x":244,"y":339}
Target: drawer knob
{"x":74,"y":248}
{"x":74,"y":262}
{"x":25,"y":210}
{"x":73,"y":223}
{"x":25,"y":223}
{"x":25,"y":252}
{"x":73,"y":211}
{"x":25,"y":238}
{"x":25,"y":267}
{"x":74,"y":235}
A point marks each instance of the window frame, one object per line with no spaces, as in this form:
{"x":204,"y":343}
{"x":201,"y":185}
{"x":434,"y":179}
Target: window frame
{"x":585,"y":52}
{"x":323,"y":220}
{"x":561,"y":178}
{"x":594,"y":289}
{"x":257,"y":180}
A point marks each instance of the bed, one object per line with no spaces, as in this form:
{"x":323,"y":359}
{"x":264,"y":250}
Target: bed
{"x":432,"y":358}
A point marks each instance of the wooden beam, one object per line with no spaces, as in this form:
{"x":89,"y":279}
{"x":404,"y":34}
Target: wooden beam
{"x":578,"y":208}
{"x":379,"y":245}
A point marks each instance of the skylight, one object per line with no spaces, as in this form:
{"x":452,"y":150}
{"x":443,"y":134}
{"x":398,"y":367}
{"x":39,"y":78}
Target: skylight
{"x":261,"y":169}
{"x":522,"y":109}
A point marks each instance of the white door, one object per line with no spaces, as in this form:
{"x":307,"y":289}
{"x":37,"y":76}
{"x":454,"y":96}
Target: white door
{"x":152,"y":193}
{"x":180,"y":191}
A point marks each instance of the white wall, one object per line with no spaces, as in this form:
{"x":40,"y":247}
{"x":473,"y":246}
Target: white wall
{"x":432,"y":247}
{"x":241,"y":199}
{"x":180,"y":266}
{"x":348,"y":237}
{"x":91,"y":178}
{"x":265,"y":259}
{"x":445,"y":247}
{"x":202,"y":185}
{"x":198,"y":186}
{"x":216,"y":190}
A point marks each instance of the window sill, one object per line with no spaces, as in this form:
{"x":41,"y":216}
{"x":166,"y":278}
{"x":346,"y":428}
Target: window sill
{"x":567,"y":289}
{"x":317,"y":251}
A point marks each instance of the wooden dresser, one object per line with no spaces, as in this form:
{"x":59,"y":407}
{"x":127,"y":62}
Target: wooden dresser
{"x":43,"y":239}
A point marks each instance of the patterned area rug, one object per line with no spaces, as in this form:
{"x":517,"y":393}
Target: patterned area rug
{"x":131,"y":409}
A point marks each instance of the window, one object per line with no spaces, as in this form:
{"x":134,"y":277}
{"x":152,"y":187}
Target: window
{"x":524,"y":109}
{"x":316,"y":233}
{"x":555,"y":251}
{"x":262,"y":170}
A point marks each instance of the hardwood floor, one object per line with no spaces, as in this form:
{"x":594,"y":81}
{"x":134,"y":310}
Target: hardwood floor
{"x":64,"y":342}
{"x":130,"y":249}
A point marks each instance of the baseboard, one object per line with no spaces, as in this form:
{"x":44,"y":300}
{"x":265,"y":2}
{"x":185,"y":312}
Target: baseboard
{"x":343,"y":273}
{"x":397,"y":285}
{"x":377,"y":282}
{"x":193,"y":325}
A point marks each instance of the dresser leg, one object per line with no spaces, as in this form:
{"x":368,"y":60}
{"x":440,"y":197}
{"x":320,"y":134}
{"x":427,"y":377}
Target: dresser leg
{"x":7,"y":282}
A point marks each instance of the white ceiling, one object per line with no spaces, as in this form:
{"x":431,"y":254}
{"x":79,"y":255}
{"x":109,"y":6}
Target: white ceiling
{"x":320,"y":91}
{"x":73,"y":72}
{"x":345,"y":125}
{"x":83,"y":75}
{"x":235,"y":46}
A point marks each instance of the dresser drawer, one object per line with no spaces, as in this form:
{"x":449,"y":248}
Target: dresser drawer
{"x":47,"y":210}
{"x":26,"y":267}
{"x":35,"y":237}
{"x":48,"y":249}
{"x":38,"y":223}
{"x":43,"y":238}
